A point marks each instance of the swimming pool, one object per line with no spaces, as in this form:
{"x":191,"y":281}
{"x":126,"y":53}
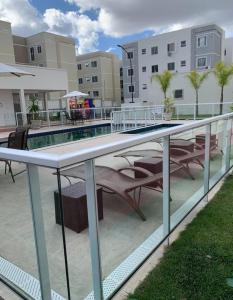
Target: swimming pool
{"x":150,"y":128}
{"x":45,"y":139}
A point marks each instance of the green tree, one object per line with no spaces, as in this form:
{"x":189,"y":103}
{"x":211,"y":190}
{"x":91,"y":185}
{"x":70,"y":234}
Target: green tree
{"x":223,"y":75}
{"x":196,"y":79}
{"x":164,"y":80}
{"x":34,"y":107}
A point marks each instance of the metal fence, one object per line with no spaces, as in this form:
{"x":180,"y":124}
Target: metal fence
{"x":121,"y":242}
{"x":136,"y":117}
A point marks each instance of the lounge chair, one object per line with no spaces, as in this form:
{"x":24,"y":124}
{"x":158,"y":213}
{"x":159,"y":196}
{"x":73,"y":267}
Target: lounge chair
{"x":16,"y":140}
{"x":116,"y":182}
{"x":178,"y":156}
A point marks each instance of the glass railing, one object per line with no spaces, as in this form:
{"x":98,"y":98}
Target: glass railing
{"x":82,"y":217}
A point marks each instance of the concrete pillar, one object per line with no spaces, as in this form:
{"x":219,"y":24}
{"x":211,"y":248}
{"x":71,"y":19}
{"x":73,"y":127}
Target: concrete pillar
{"x":46,"y":108}
{"x":23,"y":106}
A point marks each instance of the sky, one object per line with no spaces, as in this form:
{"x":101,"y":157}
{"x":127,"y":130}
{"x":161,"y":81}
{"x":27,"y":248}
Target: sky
{"x":102,"y":24}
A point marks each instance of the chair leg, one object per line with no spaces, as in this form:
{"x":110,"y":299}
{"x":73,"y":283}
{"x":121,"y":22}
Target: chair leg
{"x":187,"y":170}
{"x":134,"y":205}
{"x":10,"y":170}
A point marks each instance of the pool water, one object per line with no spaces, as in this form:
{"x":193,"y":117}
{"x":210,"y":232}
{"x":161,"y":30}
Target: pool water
{"x":150,"y":128}
{"x":45,"y":139}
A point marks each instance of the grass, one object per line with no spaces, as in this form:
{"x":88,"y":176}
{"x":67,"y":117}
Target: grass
{"x":199,"y":264}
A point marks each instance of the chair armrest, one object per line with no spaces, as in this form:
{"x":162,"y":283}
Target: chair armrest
{"x":137,"y":169}
{"x":179,"y":150}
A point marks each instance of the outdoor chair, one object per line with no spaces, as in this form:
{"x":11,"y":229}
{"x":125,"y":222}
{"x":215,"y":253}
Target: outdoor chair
{"x":116,"y":182}
{"x":16,"y":140}
{"x":68,"y":117}
{"x":178,"y":156}
{"x":25,"y":140}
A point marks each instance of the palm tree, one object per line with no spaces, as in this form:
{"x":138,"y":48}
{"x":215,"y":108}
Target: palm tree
{"x":223,"y":75}
{"x":164,"y":80}
{"x":196,"y":79}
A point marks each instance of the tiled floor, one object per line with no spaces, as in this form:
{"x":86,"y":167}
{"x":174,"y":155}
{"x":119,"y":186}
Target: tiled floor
{"x":121,"y":230}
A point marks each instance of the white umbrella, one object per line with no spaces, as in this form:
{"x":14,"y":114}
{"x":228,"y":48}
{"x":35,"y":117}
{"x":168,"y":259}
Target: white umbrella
{"x":7,"y":70}
{"x":75,"y":94}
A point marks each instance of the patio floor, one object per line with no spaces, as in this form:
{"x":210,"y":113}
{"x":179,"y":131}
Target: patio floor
{"x":121,"y":230}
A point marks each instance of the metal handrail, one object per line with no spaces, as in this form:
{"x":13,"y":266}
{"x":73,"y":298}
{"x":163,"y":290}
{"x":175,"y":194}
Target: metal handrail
{"x":92,"y":152}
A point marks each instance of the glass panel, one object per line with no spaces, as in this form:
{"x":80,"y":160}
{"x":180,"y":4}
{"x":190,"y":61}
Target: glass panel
{"x":186,"y":172}
{"x":77,"y":240}
{"x":217,"y":163}
{"x":123,"y":230}
{"x":231,"y":145}
{"x":17,"y":244}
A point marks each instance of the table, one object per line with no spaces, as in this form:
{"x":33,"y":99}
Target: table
{"x":75,"y":206}
{"x":200,"y":140}
{"x":152,"y":164}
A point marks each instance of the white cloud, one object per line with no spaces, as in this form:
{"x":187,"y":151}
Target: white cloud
{"x":122,"y":17}
{"x":110,"y":49}
{"x":25,"y":19}
{"x":78,"y":26}
{"x":115,"y":18}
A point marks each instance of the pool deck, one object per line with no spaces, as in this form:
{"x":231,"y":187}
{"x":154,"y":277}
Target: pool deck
{"x":121,"y":230}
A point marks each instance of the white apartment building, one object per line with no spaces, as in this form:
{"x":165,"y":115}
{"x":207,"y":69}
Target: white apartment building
{"x":179,"y":51}
{"x":99,"y":76}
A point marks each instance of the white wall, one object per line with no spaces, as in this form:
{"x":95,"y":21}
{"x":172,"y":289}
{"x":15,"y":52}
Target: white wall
{"x":7,"y":116}
{"x":209,"y":92}
{"x":44,"y":79}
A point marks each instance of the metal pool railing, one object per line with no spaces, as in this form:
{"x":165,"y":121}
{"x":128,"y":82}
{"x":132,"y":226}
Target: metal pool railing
{"x":135,"y":117}
{"x":96,"y":263}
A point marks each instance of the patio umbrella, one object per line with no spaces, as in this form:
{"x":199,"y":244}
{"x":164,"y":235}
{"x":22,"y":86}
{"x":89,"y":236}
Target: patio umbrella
{"x":7,"y":70}
{"x":75,"y":94}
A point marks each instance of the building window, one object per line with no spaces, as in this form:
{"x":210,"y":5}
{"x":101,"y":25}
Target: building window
{"x":89,"y":93}
{"x":179,"y":94}
{"x":32,"y":53}
{"x":154,"y":50}
{"x":183,"y":44}
{"x":94,"y":78}
{"x":95,"y":93}
{"x":80,"y":81}
{"x":94,"y":64}
{"x":154,"y":69}
{"x":38,"y":49}
{"x":144,"y":51}
{"x":130,"y":55}
{"x":79,"y":67}
{"x":144,"y":69}
{"x":130,"y":72}
{"x":87,"y":64}
{"x":201,"y":62}
{"x":88,"y":79}
{"x":144,"y":86}
{"x":225,"y":52}
{"x":121,"y":72}
{"x":201,"y":41}
{"x":171,"y":47}
{"x":131,"y":88}
{"x":121,"y":84}
{"x":183,"y":63}
{"x":171,"y":66}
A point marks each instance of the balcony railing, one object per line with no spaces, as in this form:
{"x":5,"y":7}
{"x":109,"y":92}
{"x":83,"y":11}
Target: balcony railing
{"x":58,"y":262}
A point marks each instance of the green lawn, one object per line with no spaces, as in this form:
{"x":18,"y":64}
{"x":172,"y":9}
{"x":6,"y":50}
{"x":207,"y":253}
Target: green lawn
{"x":198,"y":265}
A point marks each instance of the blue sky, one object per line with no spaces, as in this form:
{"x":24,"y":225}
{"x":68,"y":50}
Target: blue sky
{"x":102,"y":24}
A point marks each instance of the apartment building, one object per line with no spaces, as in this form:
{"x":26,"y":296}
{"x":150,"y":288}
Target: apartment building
{"x":181,"y":51}
{"x":50,"y":57}
{"x":48,"y":50}
{"x":99,"y":76}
